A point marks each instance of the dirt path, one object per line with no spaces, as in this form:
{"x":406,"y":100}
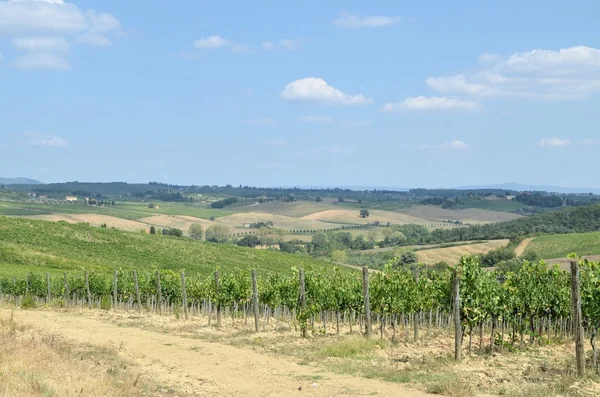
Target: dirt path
{"x":203,"y":368}
{"x":520,"y":250}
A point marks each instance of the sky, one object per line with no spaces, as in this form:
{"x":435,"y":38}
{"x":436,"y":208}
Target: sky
{"x":304,"y":93}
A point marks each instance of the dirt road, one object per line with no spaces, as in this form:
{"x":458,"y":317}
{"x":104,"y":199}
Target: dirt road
{"x":520,"y":250}
{"x":203,"y":368}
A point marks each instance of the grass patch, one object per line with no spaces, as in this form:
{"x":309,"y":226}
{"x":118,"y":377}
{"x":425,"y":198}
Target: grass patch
{"x":560,"y":245}
{"x":32,"y":245}
{"x":353,"y":347}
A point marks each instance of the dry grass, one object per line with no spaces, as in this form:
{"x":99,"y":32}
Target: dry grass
{"x":469,"y":215}
{"x":353,"y":217}
{"x":36,"y":364}
{"x":279,"y":221}
{"x":94,"y":220}
{"x":452,"y":255}
{"x":175,"y":221}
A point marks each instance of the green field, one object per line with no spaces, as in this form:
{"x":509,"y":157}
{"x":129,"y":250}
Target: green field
{"x":123,"y":211}
{"x":560,"y":245}
{"x":173,"y":209}
{"x":31,"y":245}
{"x":502,"y":205}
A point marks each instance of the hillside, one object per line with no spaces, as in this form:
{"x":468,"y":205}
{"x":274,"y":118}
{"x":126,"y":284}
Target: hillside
{"x":560,"y":245}
{"x":27,"y":244}
{"x":19,"y":181}
{"x":562,"y":221}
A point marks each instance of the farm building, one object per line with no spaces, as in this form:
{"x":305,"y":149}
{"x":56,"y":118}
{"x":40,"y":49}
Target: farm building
{"x":71,"y":198}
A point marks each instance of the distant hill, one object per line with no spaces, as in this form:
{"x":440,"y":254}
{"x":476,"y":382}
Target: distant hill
{"x":542,"y":188}
{"x":19,"y":181}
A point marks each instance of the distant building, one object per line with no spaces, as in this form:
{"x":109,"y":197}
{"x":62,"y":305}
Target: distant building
{"x":42,"y":196}
{"x":71,"y":198}
{"x":247,"y":225}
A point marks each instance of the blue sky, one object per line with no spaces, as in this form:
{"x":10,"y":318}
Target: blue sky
{"x":271,"y":93}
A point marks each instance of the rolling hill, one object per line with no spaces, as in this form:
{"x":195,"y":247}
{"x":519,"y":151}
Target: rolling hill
{"x":19,"y":181}
{"x":34,"y":245}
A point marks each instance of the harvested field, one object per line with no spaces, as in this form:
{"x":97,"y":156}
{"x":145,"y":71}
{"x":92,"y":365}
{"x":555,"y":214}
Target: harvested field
{"x":94,"y":220}
{"x":279,"y":221}
{"x":470,"y":215}
{"x":176,"y":221}
{"x":296,"y":209}
{"x":352,"y":217}
{"x":452,"y":255}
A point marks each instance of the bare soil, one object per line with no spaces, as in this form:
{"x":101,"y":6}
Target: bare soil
{"x":452,"y":255}
{"x":202,"y":368}
{"x":520,"y":250}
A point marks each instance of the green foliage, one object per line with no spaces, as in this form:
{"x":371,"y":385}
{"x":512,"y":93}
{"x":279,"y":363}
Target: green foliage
{"x":557,"y":246}
{"x":196,"y":231}
{"x":217,"y":234}
{"x":28,"y":245}
{"x":28,"y":302}
{"x":364,"y":213}
{"x":498,"y":255}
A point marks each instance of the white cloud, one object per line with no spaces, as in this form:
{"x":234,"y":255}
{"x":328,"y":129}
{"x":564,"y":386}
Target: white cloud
{"x":568,"y":73}
{"x":261,"y":120}
{"x":215,"y":42}
{"x":102,"y":23}
{"x":314,"y":119}
{"x":283,"y":44}
{"x":553,"y":142}
{"x":45,"y":140}
{"x":95,"y":39}
{"x":430,"y":103}
{"x":43,"y":27}
{"x":317,"y":90}
{"x":41,"y":43}
{"x":25,"y":17}
{"x":346,"y":20}
{"x":212,"y":42}
{"x":40,"y":61}
{"x":452,"y":145}
{"x":277,"y":142}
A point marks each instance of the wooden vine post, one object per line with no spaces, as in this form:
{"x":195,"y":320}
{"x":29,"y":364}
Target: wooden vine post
{"x":302,"y":298}
{"x":87,"y":288}
{"x":577,"y":321}
{"x":365,"y":272}
{"x":255,"y":300}
{"x":48,"y":294}
{"x":416,"y":313}
{"x":66,"y":289}
{"x":218,"y":291}
{"x":158,"y":292}
{"x":137,"y":291}
{"x":115,"y":290}
{"x":184,"y":295}
{"x":456,"y":314}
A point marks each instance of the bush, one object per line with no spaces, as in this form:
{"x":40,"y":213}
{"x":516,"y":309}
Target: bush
{"x":196,"y":232}
{"x":28,"y":302}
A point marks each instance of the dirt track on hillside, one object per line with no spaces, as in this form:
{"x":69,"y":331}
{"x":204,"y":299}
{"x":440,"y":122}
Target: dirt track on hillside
{"x":202,"y":368}
{"x":520,"y":250}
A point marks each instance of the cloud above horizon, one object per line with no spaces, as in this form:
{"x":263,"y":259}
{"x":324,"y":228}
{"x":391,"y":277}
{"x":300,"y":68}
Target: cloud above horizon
{"x":564,"y":74}
{"x":317,"y":90}
{"x":350,"y":21}
{"x":44,"y":30}
{"x":430,"y":103}
{"x":553,"y":142}
{"x":45,"y":140}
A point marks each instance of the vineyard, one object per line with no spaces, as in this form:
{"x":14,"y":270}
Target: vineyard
{"x":530,"y":306}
